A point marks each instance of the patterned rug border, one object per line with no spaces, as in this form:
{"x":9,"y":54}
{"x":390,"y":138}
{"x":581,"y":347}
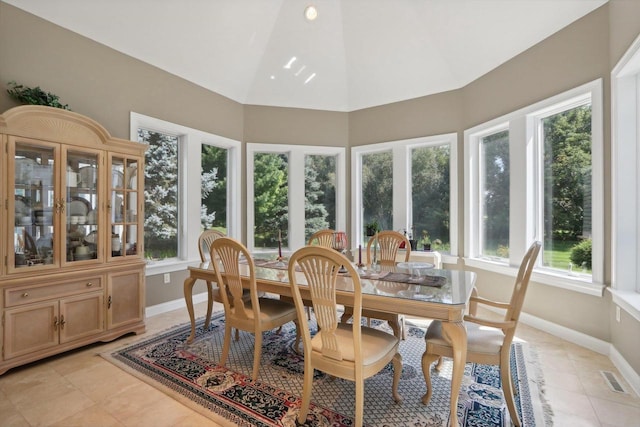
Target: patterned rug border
{"x":212,"y":412}
{"x":534,"y":388}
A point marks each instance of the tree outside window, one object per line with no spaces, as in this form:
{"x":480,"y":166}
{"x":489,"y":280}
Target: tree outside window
{"x":160,"y":195}
{"x":320,"y":193}
{"x":494,"y":190}
{"x":567,"y":161}
{"x":430,"y":194}
{"x":214,"y":188}
{"x":377,"y":189}
{"x":271,"y":203}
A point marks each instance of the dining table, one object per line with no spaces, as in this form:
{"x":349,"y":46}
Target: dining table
{"x":439,"y":294}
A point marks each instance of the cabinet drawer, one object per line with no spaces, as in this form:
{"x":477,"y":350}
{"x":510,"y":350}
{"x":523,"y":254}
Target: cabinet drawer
{"x":33,"y":293}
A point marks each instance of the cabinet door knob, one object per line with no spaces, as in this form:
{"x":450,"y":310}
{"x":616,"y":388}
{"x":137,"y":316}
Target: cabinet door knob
{"x":55,"y":323}
{"x":89,"y":284}
{"x":62,"y":322}
{"x":26,"y":294}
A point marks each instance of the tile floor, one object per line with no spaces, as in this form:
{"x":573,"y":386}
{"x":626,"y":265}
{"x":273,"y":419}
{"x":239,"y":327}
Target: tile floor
{"x":80,"y":388}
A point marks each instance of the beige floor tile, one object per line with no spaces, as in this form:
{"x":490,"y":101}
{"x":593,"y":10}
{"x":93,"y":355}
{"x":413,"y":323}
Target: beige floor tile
{"x":563,"y":419}
{"x":93,"y":416}
{"x":564,"y":381}
{"x":47,"y":411}
{"x":102,"y":380}
{"x":616,"y":413}
{"x":570,"y":402}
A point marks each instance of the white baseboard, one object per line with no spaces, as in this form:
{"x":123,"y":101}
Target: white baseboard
{"x":571,"y":335}
{"x":625,"y":369}
{"x":594,"y":344}
{"x":154,"y":310}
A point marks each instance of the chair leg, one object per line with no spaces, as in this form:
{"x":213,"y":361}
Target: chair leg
{"x":227,"y":343}
{"x":306,"y":391}
{"x":237,"y":334}
{"x":507,"y":388}
{"x":397,"y":372}
{"x":298,"y":336}
{"x":439,"y":364}
{"x":427,"y":360}
{"x":348,"y":312}
{"x":257,"y":353}
{"x":359,"y":407}
{"x":207,"y":320}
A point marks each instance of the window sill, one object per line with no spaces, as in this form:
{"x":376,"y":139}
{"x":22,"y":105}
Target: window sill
{"x":168,"y":266}
{"x":629,"y":301}
{"x":581,"y":284}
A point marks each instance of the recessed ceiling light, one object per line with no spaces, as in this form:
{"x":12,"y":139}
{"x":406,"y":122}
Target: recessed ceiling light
{"x":310,"y":13}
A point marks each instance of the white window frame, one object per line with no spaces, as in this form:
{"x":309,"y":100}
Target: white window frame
{"x":625,"y":198}
{"x":296,"y":162}
{"x":402,"y":201}
{"x":189,"y":195}
{"x":526,"y":193}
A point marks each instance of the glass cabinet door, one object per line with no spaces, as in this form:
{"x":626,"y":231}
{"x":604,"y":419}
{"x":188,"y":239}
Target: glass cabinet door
{"x":81,"y":219}
{"x":124,"y":207}
{"x":35,"y":206}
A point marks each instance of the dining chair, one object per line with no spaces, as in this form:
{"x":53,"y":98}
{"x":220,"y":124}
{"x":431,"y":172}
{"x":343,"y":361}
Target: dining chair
{"x":204,"y":244}
{"x":350,"y":351}
{"x":385,"y":244}
{"x":322,"y":238}
{"x":205,"y":240}
{"x":255,"y":316}
{"x":488,"y":341}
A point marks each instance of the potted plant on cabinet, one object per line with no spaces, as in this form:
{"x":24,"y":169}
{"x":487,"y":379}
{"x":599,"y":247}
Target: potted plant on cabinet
{"x":425,"y":241}
{"x":371,"y":228}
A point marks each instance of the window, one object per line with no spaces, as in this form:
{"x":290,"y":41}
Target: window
{"x":292,"y":192}
{"x":430,"y":195}
{"x":160,"y":194}
{"x":407,"y":186}
{"x":556,"y":198}
{"x":271,"y":201}
{"x":319,"y":193}
{"x":625,"y":130}
{"x":565,"y":217}
{"x":213,"y":193}
{"x":494,"y":193}
{"x":180,"y":201}
{"x":377,"y":189}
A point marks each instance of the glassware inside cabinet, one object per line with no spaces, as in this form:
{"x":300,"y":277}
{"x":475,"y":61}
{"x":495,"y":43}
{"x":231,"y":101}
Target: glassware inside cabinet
{"x":34,"y":205}
{"x":124,"y":203}
{"x":82,"y":202}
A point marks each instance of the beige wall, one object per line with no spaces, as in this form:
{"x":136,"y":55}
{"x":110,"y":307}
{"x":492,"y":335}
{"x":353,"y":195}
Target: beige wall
{"x":107,"y":85}
{"x":102,"y":83}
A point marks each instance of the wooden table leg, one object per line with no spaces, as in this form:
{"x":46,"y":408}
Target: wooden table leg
{"x":456,"y":334}
{"x":188,"y":297}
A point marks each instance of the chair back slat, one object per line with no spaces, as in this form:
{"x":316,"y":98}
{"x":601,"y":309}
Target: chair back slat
{"x":320,"y":267}
{"x":322,"y":238}
{"x":204,"y":243}
{"x":388,"y":244}
{"x":522,"y":282}
{"x":226,"y":253}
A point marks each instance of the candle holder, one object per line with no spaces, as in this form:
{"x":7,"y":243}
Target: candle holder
{"x":280,"y":262}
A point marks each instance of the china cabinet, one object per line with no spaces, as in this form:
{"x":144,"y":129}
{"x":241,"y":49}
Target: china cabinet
{"x":70,"y":234}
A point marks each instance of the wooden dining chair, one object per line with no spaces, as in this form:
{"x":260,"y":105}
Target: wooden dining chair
{"x":255,"y":316}
{"x":322,"y":238}
{"x":386,"y":245}
{"x":205,"y":240}
{"x":488,"y":341}
{"x":350,"y":351}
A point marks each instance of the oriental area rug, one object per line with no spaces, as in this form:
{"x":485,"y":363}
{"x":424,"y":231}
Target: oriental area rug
{"x":190,"y":374}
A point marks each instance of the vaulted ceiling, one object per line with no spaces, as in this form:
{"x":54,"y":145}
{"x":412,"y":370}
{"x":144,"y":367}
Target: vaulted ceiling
{"x":356,"y":54}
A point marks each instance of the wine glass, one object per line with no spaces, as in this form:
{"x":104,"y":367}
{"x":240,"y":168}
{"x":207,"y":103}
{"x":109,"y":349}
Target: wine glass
{"x":340,"y":244}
